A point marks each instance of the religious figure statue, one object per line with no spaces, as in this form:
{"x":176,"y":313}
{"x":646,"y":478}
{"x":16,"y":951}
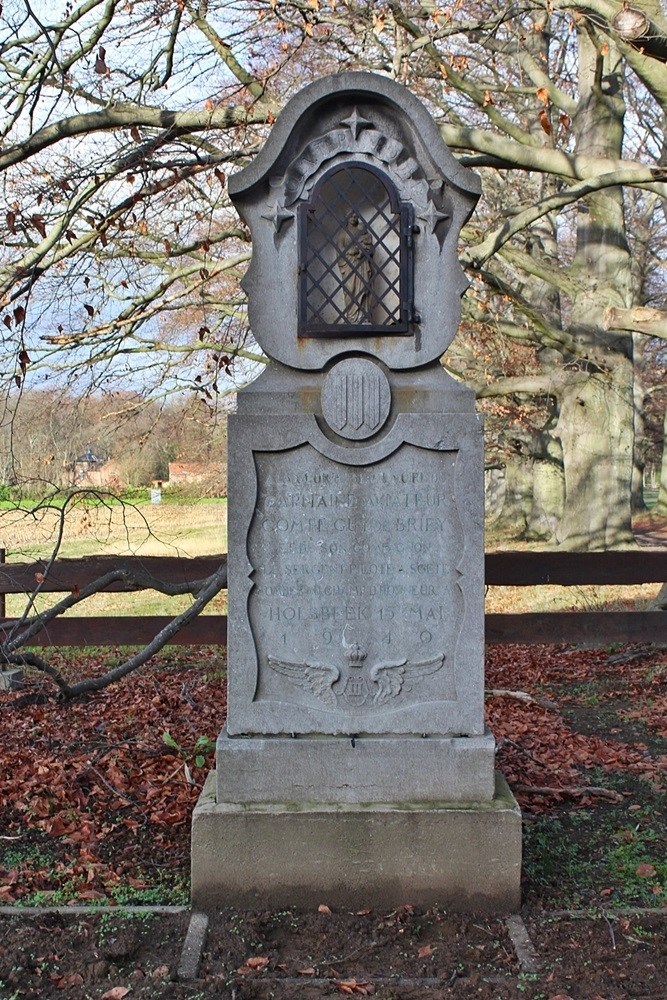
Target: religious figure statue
{"x":355,"y":265}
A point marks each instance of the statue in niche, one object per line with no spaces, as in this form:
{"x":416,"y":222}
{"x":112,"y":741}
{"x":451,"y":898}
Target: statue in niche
{"x":355,"y":265}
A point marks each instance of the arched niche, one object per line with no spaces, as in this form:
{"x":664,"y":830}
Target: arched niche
{"x":355,"y":256}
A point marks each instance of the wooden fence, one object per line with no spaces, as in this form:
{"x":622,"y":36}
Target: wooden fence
{"x":503,"y":569}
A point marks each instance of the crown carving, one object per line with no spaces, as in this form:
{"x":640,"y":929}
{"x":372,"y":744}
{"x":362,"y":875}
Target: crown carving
{"x":355,"y":655}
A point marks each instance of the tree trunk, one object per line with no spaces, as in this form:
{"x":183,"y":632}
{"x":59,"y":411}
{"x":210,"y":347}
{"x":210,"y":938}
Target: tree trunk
{"x":596,"y":420}
{"x":639,"y":447}
{"x":596,"y":431}
{"x":515,"y":514}
{"x":548,"y":499}
{"x":661,"y":506}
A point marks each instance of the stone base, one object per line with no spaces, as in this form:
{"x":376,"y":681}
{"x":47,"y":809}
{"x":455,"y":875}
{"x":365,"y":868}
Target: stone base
{"x":11,"y":680}
{"x":461,"y":856}
{"x":338,"y":769}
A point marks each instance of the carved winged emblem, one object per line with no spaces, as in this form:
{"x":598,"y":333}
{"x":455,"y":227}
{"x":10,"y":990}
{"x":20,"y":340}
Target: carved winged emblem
{"x":392,"y":678}
{"x":387,"y":680}
{"x":314,"y":676}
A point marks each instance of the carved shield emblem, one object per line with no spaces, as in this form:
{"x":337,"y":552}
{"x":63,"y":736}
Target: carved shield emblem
{"x":355,"y":691}
{"x":356,"y":398}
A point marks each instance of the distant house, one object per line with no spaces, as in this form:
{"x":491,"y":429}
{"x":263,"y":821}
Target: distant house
{"x":209,"y":477}
{"x":90,"y":469}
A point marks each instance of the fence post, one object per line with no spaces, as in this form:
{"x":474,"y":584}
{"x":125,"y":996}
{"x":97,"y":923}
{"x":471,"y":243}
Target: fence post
{"x":3,"y":609}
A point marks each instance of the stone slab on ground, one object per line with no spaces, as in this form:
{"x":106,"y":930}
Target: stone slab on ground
{"x":364,"y":769}
{"x":193,"y":946}
{"x":11,"y":680}
{"x":523,"y":946}
{"x":465,"y":856}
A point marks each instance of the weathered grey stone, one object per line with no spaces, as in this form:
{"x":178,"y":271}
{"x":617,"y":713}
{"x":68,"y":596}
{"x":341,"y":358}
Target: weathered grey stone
{"x":356,"y":398}
{"x":11,"y":680}
{"x":355,"y":765}
{"x":356,"y":576}
{"x":464,"y":857}
{"x":525,"y":949}
{"x":358,"y":118}
{"x":193,"y":946}
{"x":360,"y":769}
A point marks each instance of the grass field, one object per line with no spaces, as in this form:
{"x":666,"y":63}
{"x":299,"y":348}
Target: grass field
{"x":191,"y":529}
{"x":147,"y":529}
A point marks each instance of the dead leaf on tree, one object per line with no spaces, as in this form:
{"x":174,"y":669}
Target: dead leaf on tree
{"x":102,"y":69}
{"x":545,"y":121}
{"x":38,"y":223}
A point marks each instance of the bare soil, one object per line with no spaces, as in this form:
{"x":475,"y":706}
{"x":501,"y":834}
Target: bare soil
{"x":403,"y":955}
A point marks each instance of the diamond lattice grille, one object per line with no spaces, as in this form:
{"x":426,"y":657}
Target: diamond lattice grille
{"x":353,"y":267}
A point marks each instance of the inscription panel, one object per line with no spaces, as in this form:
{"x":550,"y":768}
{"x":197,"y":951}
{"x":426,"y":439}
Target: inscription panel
{"x":355,"y":608}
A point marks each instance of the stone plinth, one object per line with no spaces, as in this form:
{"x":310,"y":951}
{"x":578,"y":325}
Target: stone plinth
{"x":464,"y":856}
{"x":417,"y":770}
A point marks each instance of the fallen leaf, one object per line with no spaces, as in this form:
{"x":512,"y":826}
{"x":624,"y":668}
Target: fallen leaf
{"x":425,"y":951}
{"x":352,"y":987}
{"x":257,"y":962}
{"x":71,"y":979}
{"x":323,"y":908}
{"x":310,"y":971}
{"x":542,"y":95}
{"x":115,"y":993}
{"x":645,"y":870}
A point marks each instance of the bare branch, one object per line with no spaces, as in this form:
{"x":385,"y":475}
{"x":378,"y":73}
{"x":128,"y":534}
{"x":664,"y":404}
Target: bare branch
{"x":126,"y":116}
{"x":650,"y":322}
{"x":203,"y":590}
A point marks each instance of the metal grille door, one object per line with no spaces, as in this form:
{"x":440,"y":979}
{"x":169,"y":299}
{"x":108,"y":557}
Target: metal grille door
{"x":355,"y":256}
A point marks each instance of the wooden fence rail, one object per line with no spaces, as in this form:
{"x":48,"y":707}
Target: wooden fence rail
{"x":503,"y":569}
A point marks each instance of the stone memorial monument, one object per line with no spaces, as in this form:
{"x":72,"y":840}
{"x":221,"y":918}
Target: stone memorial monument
{"x":355,"y":767}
